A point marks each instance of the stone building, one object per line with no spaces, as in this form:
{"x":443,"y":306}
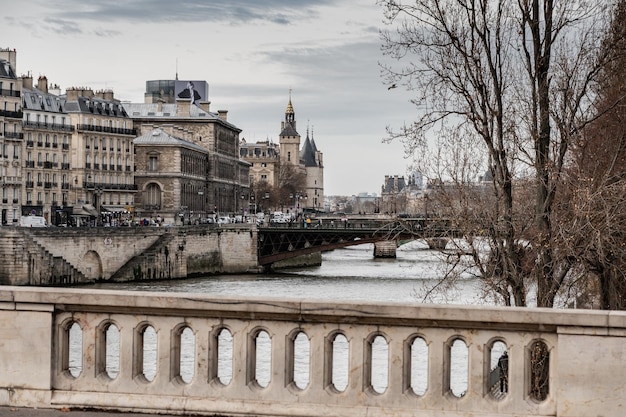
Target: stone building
{"x":226,"y":180}
{"x":274,"y":165}
{"x":172,"y":174}
{"x":47,"y":171}
{"x":101,"y":152}
{"x":403,"y":196}
{"x":11,"y":138}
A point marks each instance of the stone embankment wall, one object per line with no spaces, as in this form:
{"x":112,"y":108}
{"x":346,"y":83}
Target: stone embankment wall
{"x":56,"y":256}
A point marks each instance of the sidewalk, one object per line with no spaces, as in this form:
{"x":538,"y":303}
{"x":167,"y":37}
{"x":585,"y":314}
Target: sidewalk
{"x":46,"y":412}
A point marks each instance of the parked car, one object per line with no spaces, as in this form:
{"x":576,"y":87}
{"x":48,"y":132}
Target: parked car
{"x":224,"y":220}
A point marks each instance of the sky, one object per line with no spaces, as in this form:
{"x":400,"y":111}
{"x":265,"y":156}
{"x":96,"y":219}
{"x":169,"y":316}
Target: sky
{"x":252,"y":53}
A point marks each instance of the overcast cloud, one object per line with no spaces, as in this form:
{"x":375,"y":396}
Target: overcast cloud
{"x":251,"y":52}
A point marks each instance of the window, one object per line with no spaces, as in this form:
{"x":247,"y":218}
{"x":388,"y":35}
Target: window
{"x":153,"y":163}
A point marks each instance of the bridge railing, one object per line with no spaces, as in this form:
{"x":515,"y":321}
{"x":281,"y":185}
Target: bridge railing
{"x":198,"y":354}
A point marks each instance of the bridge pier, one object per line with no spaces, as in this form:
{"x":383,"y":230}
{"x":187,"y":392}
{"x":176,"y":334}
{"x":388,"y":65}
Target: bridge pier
{"x":437,"y":243}
{"x":385,"y":249}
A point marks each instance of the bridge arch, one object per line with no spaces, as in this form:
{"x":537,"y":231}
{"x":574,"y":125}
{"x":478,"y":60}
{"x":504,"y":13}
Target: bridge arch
{"x":92,"y":265}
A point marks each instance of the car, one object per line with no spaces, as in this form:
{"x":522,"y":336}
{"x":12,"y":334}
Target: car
{"x":224,"y":220}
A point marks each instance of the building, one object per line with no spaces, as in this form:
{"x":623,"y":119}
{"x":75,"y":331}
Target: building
{"x":102,"y":156}
{"x":11,"y":138}
{"x":293,"y":173}
{"x":47,"y":170}
{"x":226,"y":179}
{"x":172,"y":174}
{"x":401,"y":196}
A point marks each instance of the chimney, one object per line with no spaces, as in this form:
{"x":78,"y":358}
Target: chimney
{"x":105,"y":94}
{"x":27,"y":82}
{"x":183,"y":107}
{"x":72,"y":94}
{"x":204,"y":105}
{"x":223,"y":114}
{"x":9,"y":55}
{"x":42,"y":84}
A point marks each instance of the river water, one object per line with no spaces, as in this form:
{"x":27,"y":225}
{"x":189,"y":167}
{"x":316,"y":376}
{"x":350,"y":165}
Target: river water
{"x":345,"y":274}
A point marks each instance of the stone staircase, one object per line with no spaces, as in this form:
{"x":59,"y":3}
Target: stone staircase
{"x":148,"y":265}
{"x":44,"y":267}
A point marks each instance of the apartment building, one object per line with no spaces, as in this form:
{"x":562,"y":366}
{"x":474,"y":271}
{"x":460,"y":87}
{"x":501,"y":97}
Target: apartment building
{"x":11,"y":138}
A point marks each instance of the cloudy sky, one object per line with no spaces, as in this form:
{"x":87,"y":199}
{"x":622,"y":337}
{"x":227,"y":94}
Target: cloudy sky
{"x":251,"y":52}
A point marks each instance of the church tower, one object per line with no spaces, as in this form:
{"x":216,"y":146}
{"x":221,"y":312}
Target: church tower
{"x":289,"y":138}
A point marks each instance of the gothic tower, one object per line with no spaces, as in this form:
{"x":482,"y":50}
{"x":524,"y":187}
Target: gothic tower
{"x":289,"y":138}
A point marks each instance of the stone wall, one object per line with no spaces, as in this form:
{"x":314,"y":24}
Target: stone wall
{"x":51,"y":256}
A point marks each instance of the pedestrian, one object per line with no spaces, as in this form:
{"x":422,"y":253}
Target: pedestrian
{"x":503,"y":367}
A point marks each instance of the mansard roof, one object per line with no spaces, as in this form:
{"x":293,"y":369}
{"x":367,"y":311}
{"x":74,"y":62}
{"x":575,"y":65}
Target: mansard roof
{"x":35,"y":99}
{"x":170,"y":111}
{"x":6,"y":70}
{"x":158,"y":137}
{"x":95,"y":105}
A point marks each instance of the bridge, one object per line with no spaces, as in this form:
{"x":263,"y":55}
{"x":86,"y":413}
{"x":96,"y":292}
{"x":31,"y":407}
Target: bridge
{"x":57,"y":256}
{"x":200,"y":355}
{"x":287,"y":240}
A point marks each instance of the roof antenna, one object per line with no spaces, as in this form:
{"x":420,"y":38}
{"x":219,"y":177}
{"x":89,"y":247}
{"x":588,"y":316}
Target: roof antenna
{"x":176,"y":69}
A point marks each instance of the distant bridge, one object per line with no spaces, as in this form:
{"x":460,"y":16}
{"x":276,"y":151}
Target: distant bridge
{"x":287,"y":240}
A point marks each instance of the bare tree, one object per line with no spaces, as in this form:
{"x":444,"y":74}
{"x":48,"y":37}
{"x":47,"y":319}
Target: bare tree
{"x":595,"y":197}
{"x":515,"y":77}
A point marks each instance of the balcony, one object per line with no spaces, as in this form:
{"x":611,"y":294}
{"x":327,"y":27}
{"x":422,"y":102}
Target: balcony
{"x":14,"y":135}
{"x":12,"y":114}
{"x":12,"y":179}
{"x":10,"y":93}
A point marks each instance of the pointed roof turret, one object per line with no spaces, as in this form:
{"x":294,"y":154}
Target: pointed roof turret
{"x":308,"y":152}
{"x":289,"y":126}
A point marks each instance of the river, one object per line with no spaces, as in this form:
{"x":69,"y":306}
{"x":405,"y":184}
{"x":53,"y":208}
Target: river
{"x":345,"y":274}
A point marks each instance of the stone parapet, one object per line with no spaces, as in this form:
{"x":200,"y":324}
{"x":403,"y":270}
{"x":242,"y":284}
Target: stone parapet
{"x":198,"y":354}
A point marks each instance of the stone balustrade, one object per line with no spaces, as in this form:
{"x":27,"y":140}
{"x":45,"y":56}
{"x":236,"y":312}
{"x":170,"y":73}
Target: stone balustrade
{"x":196,"y":354}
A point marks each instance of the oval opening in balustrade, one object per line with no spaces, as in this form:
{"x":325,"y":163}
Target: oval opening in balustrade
{"x":419,"y":366}
{"x":539,"y":362}
{"x":75,"y":351}
{"x":187,"y":356}
{"x":379,"y":362}
{"x":340,"y":362}
{"x":149,"y":356}
{"x":224,"y":356}
{"x":111,"y":350}
{"x":459,"y":368}
{"x":301,"y":360}
{"x":263,"y":359}
{"x":498,"y":370}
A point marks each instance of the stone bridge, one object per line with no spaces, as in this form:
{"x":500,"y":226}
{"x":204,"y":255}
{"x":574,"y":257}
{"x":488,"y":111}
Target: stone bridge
{"x":198,"y":354}
{"x":57,"y":256}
